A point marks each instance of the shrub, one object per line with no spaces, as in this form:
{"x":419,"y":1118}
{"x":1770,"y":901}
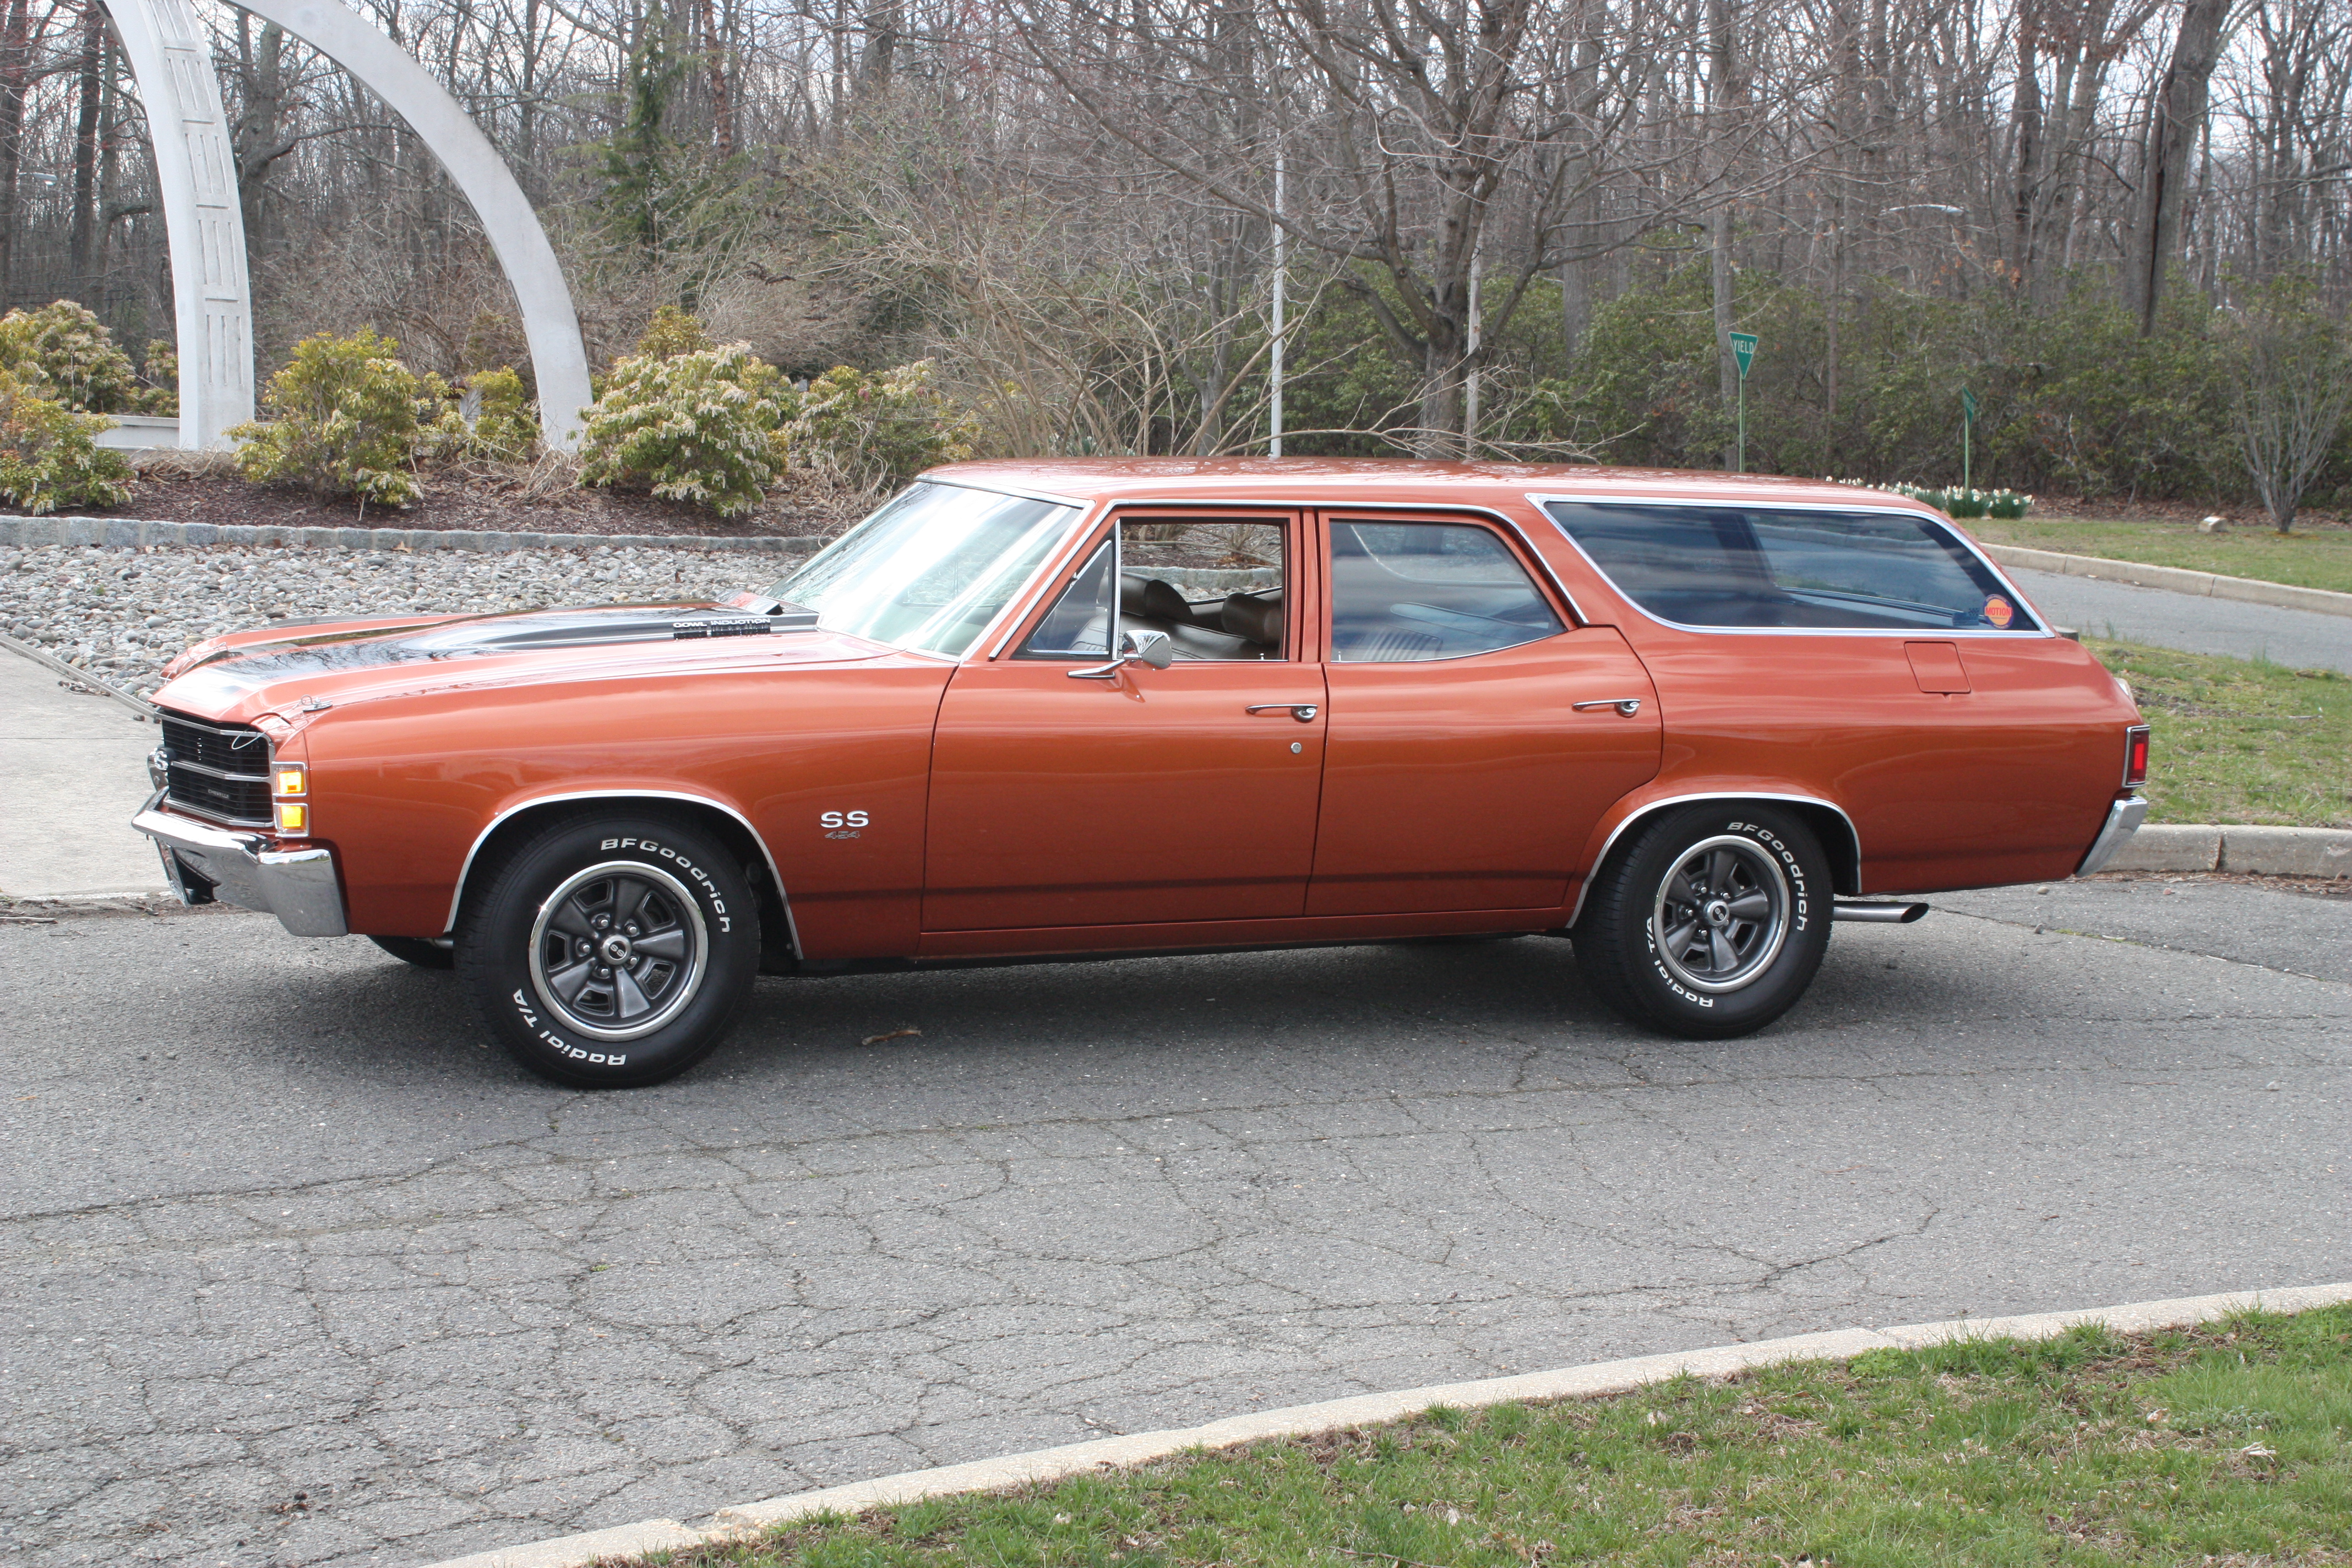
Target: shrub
{"x":344,"y":421}
{"x":672,"y":332}
{"x":880,"y":427}
{"x":506,"y":427}
{"x":63,"y":353}
{"x":701,"y":427}
{"x":161,"y":370}
{"x":48,"y":457}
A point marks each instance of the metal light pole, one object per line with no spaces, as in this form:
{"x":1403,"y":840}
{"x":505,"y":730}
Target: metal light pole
{"x":1274,"y":442}
{"x":1478,"y":334}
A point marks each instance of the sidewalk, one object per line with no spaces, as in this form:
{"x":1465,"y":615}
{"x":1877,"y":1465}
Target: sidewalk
{"x":72,"y":772}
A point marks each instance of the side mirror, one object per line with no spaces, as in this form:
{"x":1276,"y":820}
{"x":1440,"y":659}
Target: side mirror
{"x":1154,"y":648}
{"x":1136,"y":646}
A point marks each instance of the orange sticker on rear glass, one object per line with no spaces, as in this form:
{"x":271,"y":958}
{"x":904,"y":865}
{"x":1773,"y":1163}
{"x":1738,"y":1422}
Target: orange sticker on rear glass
{"x":1997,"y":611}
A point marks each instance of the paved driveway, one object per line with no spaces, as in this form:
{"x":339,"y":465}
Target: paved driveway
{"x":297,"y":1272}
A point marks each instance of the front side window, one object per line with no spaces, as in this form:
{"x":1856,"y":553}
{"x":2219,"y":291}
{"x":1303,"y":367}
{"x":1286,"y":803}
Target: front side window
{"x":1790,"y":569}
{"x":930,"y":569}
{"x":1216,"y":587}
{"x":1407,"y":591}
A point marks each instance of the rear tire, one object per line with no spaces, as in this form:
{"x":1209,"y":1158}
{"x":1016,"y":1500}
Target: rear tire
{"x":415,"y":950}
{"x":612,"y":952}
{"x":1711,"y":923}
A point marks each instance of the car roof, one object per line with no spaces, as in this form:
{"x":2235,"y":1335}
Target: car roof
{"x":1388,"y":479}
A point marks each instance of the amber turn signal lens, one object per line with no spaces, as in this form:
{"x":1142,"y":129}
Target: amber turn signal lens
{"x":288,"y":779}
{"x":2136,"y":756}
{"x":293,"y":817}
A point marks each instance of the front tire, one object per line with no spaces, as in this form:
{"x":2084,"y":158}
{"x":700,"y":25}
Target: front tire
{"x":612,"y":952}
{"x":1712,"y":923}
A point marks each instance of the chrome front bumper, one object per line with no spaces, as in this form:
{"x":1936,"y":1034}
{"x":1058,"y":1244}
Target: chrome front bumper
{"x":2123,"y":818}
{"x":203,"y":863}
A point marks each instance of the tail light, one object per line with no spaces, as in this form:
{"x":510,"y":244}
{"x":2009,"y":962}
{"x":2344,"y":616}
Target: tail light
{"x":2135,"y":757}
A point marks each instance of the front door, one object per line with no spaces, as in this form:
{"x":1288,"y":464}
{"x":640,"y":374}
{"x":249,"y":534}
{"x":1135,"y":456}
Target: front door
{"x":1475,"y":735}
{"x":1064,"y":794}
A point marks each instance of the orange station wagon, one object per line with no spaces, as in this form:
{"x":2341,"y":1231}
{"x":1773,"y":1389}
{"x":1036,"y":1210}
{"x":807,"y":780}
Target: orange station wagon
{"x":1684,"y":720}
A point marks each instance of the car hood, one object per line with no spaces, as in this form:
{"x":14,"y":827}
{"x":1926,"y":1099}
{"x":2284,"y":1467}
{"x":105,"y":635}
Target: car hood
{"x":294,"y":672}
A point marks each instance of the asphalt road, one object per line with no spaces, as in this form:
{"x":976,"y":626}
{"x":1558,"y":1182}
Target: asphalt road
{"x":300,"y":1273}
{"x":2303,"y":638}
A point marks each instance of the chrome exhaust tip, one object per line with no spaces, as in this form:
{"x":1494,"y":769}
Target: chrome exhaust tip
{"x":1879,"y":914}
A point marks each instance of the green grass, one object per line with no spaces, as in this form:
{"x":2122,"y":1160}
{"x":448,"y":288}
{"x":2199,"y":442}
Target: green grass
{"x":2314,"y":557}
{"x":2224,"y":1444}
{"x":2236,"y":739}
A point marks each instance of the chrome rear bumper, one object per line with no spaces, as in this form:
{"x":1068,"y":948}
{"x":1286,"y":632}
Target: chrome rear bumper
{"x":2123,"y":818}
{"x":205,"y":863}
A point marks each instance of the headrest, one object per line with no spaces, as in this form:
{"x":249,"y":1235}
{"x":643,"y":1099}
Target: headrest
{"x":1153,"y":599}
{"x":1255,"y":619}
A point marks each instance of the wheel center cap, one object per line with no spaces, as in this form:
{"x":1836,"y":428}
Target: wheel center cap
{"x":1717,"y":913}
{"x":616,"y":949}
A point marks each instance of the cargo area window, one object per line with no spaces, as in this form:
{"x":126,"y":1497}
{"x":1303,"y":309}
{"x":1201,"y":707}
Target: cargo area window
{"x":1741,"y":567}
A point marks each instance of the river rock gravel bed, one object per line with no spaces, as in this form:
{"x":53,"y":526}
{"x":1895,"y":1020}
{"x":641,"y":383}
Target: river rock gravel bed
{"x":122,"y":614}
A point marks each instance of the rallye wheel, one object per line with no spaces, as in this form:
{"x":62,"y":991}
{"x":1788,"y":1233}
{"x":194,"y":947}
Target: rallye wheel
{"x":415,"y":950}
{"x":1711,"y":923}
{"x":611,"y":952}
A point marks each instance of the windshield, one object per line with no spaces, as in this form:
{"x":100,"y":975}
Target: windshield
{"x":930,"y":569}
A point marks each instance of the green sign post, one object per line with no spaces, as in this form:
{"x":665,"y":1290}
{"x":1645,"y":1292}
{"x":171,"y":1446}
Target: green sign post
{"x":1968,"y":438}
{"x":1743,"y":350}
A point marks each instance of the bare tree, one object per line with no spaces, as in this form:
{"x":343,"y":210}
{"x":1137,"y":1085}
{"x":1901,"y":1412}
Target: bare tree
{"x":2292,"y":402}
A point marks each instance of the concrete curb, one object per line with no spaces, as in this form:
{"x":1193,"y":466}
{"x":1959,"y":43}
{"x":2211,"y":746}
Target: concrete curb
{"x":2236,"y":847}
{"x":2175,"y":579}
{"x":130,"y":533}
{"x":1303,"y":1420}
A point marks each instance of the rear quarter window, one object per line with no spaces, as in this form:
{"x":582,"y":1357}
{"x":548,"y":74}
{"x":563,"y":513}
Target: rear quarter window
{"x":1741,"y":567}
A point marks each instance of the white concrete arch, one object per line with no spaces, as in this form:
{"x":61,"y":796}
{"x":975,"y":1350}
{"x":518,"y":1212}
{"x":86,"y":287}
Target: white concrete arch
{"x":171,"y":59}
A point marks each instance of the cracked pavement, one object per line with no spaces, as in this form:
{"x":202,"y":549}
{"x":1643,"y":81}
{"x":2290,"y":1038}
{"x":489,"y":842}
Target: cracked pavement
{"x":297,"y":1272}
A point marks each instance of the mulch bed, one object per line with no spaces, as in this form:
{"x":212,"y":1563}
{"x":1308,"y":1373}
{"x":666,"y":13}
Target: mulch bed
{"x":479,"y":498}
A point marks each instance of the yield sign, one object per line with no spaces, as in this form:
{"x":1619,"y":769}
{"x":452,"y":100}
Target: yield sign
{"x":1743,"y":349}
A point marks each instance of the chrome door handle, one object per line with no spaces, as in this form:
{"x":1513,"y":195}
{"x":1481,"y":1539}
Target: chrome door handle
{"x":1626,"y":706}
{"x":1303,"y":711}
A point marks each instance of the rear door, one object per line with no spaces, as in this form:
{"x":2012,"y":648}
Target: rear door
{"x":1476,"y":733}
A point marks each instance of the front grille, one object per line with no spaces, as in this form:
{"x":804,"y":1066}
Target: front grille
{"x":220,"y":771}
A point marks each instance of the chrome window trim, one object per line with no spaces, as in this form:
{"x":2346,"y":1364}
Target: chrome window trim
{"x":1334,"y":509}
{"x":1584,"y":886}
{"x":458,"y":894}
{"x":1541,"y":503}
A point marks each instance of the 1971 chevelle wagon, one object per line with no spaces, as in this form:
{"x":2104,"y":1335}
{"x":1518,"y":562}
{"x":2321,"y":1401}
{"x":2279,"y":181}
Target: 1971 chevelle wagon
{"x":1136,"y":706}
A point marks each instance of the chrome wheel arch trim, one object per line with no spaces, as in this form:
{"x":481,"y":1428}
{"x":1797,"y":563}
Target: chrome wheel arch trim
{"x":1541,"y":499}
{"x":784,"y":896}
{"x":1651,"y":808}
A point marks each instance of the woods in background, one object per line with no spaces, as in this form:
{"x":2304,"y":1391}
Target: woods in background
{"x":1525,"y":227}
